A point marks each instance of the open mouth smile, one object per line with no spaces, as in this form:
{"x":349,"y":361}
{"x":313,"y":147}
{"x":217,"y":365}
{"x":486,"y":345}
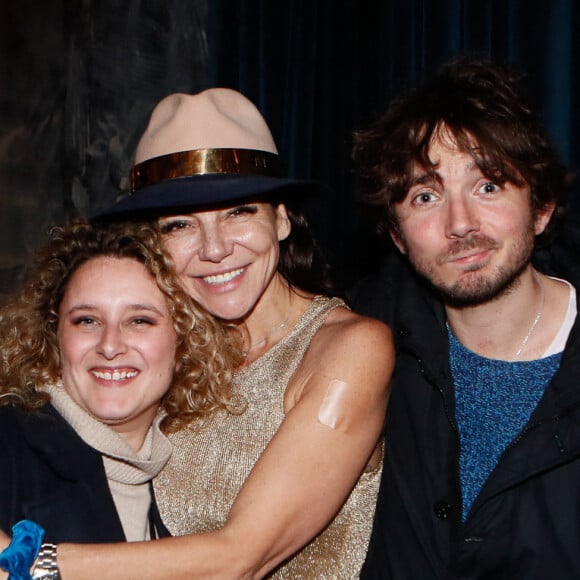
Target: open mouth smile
{"x":222,"y":278}
{"x":114,"y":375}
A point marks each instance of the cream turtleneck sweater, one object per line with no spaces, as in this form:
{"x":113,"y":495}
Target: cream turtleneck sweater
{"x":128,"y":471}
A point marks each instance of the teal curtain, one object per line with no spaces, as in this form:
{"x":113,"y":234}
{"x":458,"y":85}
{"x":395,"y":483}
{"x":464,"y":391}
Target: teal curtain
{"x":318,"y":69}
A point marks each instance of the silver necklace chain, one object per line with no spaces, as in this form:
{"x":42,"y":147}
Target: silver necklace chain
{"x":263,"y":341}
{"x":536,"y":320}
{"x":534,"y":323}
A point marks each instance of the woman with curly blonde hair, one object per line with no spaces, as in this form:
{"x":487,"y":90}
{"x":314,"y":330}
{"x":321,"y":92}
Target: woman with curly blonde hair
{"x":101,"y":353}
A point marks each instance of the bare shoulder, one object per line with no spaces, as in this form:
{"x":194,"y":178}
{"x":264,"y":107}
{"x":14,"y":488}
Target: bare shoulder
{"x":347,"y":339}
{"x":346,"y":328}
{"x":356,"y":350}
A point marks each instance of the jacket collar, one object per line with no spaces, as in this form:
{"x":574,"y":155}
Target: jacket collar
{"x":55,"y":440}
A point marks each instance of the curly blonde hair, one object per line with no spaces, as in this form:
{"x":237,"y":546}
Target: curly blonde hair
{"x":207,"y":350}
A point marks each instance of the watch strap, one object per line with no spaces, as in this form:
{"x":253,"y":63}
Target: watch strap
{"x":45,"y":565}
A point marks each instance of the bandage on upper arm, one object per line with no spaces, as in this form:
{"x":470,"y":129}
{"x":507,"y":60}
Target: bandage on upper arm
{"x":337,"y":406}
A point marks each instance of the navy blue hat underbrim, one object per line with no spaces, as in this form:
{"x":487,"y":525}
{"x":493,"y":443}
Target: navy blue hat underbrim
{"x":203,"y":190}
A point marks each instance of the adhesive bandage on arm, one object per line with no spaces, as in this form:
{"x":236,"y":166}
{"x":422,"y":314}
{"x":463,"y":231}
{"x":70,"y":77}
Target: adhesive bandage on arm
{"x":336,"y":409}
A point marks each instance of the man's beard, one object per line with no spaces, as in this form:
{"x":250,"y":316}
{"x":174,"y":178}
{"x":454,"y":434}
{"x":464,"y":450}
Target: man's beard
{"x":472,"y":289}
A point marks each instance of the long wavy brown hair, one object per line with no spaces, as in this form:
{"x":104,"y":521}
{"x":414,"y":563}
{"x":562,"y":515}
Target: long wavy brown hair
{"x":207,"y":351}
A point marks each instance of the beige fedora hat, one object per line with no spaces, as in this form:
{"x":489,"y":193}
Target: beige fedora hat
{"x":204,"y":149}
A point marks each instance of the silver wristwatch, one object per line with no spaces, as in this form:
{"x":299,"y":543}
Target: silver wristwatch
{"x":45,"y":566}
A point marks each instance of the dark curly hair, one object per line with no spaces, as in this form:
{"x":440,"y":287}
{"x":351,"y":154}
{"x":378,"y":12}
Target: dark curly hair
{"x":207,"y":352}
{"x":483,"y":107}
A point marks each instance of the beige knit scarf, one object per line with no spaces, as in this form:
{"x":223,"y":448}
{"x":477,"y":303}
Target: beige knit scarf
{"x":128,"y":472}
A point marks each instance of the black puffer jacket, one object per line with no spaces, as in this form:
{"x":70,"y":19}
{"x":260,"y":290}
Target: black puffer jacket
{"x":525,"y":524}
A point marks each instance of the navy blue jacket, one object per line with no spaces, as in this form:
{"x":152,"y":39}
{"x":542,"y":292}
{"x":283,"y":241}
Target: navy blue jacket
{"x":48,"y":474}
{"x":525,"y":523}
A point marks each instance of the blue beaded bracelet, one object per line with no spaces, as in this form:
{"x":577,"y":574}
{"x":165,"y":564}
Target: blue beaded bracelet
{"x":18,"y":557}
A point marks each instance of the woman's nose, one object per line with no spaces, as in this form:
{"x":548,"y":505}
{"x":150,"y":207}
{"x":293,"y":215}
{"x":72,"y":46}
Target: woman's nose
{"x":215,"y":244}
{"x":112,"y":342}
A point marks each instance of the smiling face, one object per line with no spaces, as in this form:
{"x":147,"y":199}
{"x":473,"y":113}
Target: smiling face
{"x":117,"y":344}
{"x":227,"y":258}
{"x":470,"y":237}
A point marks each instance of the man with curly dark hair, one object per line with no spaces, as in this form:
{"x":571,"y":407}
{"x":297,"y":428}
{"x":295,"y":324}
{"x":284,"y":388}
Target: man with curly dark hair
{"x":482,"y":460}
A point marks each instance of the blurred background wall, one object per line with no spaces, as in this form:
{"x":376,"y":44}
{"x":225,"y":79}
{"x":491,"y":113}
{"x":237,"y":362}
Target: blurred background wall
{"x":78,"y":79}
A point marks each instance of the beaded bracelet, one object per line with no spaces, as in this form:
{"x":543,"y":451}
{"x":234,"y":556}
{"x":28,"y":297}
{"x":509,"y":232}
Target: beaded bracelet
{"x":18,"y":557}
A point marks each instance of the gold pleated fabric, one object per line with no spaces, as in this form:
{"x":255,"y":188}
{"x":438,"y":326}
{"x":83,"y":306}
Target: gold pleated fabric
{"x":197,"y":488}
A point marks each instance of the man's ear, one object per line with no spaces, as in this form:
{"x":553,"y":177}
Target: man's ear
{"x":397,"y":240}
{"x":543,"y":217}
{"x":283,"y":225}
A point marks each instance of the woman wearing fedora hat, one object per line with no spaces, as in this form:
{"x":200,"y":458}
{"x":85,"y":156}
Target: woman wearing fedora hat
{"x":283,"y":485}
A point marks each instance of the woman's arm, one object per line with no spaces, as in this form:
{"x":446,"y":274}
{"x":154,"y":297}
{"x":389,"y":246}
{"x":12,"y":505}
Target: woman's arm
{"x":335,"y":412}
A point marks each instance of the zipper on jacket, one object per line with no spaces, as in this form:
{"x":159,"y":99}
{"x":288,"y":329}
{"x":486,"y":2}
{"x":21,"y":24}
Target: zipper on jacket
{"x":480,"y":500}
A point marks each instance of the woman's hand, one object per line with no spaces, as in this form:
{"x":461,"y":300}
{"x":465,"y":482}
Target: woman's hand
{"x":4,"y":542}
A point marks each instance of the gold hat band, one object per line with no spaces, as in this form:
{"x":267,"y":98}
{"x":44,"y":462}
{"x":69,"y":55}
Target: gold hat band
{"x":203,"y":162}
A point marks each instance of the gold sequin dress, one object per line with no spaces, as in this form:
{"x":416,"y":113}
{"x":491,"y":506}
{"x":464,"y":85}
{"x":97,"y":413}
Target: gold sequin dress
{"x":198,"y":486}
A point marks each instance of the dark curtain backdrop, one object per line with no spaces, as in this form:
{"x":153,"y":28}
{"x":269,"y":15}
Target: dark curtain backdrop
{"x":80,"y":77}
{"x":320,"y":68}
